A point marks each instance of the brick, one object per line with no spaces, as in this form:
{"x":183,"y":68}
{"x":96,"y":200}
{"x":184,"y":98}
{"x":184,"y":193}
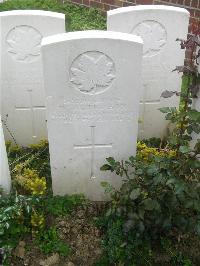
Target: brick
{"x":118,"y":3}
{"x":86,"y":2}
{"x":144,"y":2}
{"x":192,"y":12}
{"x":197,"y":14}
{"x":106,"y":7}
{"x":187,"y":2}
{"x":194,"y":3}
{"x":128,"y":4}
{"x":108,"y":2}
{"x":113,"y":7}
{"x":77,"y":1}
{"x":180,"y":2}
{"x":96,"y":4}
{"x":131,"y":1}
{"x":192,"y":24}
{"x":161,"y":3}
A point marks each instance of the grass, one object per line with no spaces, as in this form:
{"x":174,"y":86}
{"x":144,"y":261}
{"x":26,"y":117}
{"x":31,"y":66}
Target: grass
{"x":77,"y":17}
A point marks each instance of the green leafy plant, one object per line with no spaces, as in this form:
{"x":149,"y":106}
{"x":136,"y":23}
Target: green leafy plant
{"x":176,"y":257}
{"x":61,"y":206}
{"x":160,"y":192}
{"x":15,"y":220}
{"x":120,"y":248}
{"x":48,"y":241}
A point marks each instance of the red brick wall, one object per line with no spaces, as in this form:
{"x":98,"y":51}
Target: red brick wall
{"x":193,"y":6}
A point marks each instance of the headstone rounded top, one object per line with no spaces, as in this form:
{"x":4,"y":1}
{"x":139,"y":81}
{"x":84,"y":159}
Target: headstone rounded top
{"x":32,"y":13}
{"x":148,"y":8}
{"x":91,"y":34}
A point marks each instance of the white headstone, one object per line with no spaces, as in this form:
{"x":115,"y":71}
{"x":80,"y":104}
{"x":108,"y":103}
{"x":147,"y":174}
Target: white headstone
{"x":5,"y":180}
{"x":92,"y":106}
{"x":159,"y":27}
{"x":23,"y":99}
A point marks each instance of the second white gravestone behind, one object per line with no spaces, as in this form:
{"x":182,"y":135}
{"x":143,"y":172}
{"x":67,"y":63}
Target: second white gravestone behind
{"x":92,"y":106}
{"x":23,"y":101}
{"x":159,"y":27}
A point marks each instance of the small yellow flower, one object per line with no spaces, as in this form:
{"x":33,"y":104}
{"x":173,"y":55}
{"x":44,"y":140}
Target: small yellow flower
{"x":43,"y":143}
{"x":29,"y":180}
{"x":37,"y":220}
{"x":144,"y":152}
{"x":37,"y":186}
{"x":18,"y":168}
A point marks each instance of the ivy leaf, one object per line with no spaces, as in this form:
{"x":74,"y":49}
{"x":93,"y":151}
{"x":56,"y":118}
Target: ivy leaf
{"x":135,"y":193}
{"x":150,"y":204}
{"x":164,"y":110}
{"x":128,"y":225}
{"x":105,"y":167}
{"x":167,"y":223}
{"x":184,"y":149}
{"x":141,"y":227}
{"x":196,"y":128}
{"x":152,"y":170}
{"x":110,"y":160}
{"x":158,"y":179}
{"x":194,"y":115}
{"x":139,"y":172}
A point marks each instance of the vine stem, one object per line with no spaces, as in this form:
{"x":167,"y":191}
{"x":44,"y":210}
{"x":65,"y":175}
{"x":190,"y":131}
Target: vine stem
{"x":186,"y":98}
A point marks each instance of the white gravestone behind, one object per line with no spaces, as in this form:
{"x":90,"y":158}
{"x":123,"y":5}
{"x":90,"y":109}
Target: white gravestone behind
{"x":92,"y":106}
{"x":5,"y":180}
{"x":23,"y":100}
{"x":159,"y":27}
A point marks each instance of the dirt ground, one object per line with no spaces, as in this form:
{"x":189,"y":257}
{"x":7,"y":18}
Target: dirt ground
{"x":78,"y":230}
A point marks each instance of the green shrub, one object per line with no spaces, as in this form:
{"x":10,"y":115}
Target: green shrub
{"x":158,"y":196}
{"x":160,"y":192}
{"x":48,"y":241}
{"x":15,"y":220}
{"x":122,"y":248}
{"x":61,"y":206}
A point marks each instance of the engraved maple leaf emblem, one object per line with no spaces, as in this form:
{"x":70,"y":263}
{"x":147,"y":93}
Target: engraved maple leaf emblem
{"x":92,"y":74}
{"x":153,"y":35}
{"x":24,"y":43}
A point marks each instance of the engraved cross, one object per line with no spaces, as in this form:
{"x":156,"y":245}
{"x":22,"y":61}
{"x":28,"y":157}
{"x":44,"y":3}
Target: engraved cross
{"x":31,"y":108}
{"x":93,"y":146}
